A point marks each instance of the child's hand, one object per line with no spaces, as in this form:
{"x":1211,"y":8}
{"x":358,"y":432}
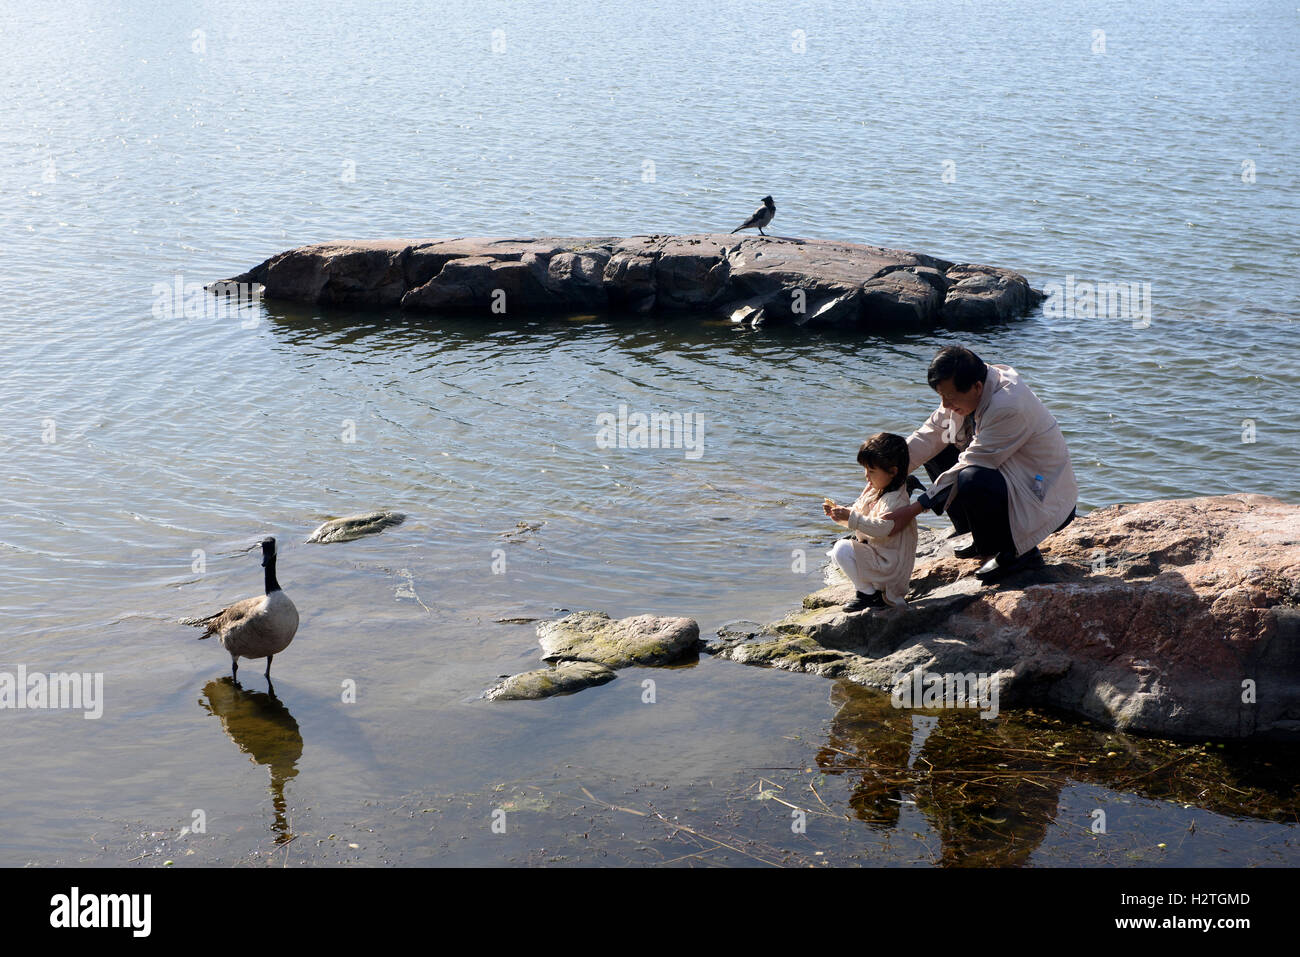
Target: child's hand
{"x":838,"y":513}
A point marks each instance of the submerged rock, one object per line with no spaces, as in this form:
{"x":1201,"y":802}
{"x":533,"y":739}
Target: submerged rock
{"x":1178,"y":617}
{"x":640,"y":640}
{"x":355,"y":526}
{"x":753,"y":279}
{"x":564,"y":678}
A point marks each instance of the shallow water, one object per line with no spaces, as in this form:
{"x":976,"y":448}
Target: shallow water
{"x":131,"y":158}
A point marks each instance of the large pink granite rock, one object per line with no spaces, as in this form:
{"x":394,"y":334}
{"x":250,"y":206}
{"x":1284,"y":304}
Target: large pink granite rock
{"x":1178,"y":617}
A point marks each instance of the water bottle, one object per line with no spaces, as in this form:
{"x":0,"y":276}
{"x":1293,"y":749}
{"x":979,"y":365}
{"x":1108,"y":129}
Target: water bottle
{"x":1038,"y":487}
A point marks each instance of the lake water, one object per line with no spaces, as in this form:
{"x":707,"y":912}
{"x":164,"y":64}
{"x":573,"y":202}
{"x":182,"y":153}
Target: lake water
{"x":144,"y":146}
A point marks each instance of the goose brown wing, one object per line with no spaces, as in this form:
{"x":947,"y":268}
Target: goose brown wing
{"x":234,"y":616}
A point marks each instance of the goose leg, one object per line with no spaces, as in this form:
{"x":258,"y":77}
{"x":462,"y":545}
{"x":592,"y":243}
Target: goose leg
{"x":269,"y":659}
{"x":234,"y":668}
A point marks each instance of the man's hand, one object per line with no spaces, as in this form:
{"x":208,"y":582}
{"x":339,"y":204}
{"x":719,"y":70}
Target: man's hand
{"x":902,"y":516}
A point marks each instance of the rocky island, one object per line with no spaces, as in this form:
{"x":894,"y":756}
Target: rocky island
{"x":751,"y":280}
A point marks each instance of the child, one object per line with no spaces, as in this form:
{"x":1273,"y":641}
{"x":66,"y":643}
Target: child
{"x":878,"y":564}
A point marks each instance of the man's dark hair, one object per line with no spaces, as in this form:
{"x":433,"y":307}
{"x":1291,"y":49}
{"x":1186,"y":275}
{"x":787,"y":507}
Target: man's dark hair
{"x":886,"y":451}
{"x":960,"y":365}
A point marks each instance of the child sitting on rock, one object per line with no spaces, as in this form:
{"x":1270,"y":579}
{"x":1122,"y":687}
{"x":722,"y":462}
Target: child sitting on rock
{"x":879,"y":565}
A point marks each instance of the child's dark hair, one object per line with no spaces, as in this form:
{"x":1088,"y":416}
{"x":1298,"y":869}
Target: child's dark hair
{"x":886,"y":451}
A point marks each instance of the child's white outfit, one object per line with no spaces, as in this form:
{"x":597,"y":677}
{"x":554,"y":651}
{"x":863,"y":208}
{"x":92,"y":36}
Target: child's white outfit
{"x":873,"y":559}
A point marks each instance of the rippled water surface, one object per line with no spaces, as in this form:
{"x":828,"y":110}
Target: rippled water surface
{"x":145,"y":145}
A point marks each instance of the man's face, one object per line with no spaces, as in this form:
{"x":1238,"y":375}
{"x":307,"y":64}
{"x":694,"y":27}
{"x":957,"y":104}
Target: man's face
{"x":959,"y":403}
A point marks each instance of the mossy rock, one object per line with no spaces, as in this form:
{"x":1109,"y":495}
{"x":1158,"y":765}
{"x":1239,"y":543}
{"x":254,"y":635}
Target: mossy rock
{"x":564,"y":678}
{"x":352,"y":527}
{"x":640,"y":640}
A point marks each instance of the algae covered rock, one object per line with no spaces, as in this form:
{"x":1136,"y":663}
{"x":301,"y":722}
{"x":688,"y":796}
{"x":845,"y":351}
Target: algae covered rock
{"x":564,"y":678}
{"x":594,"y":636}
{"x":355,"y":526}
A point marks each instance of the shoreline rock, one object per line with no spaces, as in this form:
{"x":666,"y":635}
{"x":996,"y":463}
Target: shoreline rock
{"x":754,"y":280}
{"x":565,"y":678}
{"x":585,"y":647}
{"x":639,"y":640}
{"x":1176,"y":617}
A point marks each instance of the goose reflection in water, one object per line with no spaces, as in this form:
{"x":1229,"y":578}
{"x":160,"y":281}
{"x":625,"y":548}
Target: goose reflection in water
{"x":262,"y":727}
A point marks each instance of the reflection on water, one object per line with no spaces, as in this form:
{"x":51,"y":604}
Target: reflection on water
{"x":262,"y":727}
{"x":991,"y":788}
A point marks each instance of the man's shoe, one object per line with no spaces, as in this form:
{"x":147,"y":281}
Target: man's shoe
{"x":862,"y":601}
{"x":1007,"y":563}
{"x":968,"y":551}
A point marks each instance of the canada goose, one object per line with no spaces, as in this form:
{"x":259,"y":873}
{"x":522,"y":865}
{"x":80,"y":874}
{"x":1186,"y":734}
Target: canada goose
{"x":260,"y":627}
{"x":762,"y":216}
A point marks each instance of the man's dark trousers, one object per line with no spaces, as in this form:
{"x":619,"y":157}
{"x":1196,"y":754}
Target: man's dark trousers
{"x":981,"y":507}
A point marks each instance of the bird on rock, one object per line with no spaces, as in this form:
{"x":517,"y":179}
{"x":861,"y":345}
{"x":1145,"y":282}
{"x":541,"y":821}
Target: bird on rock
{"x":762,"y":216}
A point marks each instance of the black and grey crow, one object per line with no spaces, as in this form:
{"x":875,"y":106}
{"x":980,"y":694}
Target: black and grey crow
{"x":762,"y":216}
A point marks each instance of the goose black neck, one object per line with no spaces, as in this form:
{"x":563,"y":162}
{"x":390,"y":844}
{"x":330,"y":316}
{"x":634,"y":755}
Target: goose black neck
{"x":271,"y":583}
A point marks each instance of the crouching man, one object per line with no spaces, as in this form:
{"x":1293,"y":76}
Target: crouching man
{"x":997,"y":463}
